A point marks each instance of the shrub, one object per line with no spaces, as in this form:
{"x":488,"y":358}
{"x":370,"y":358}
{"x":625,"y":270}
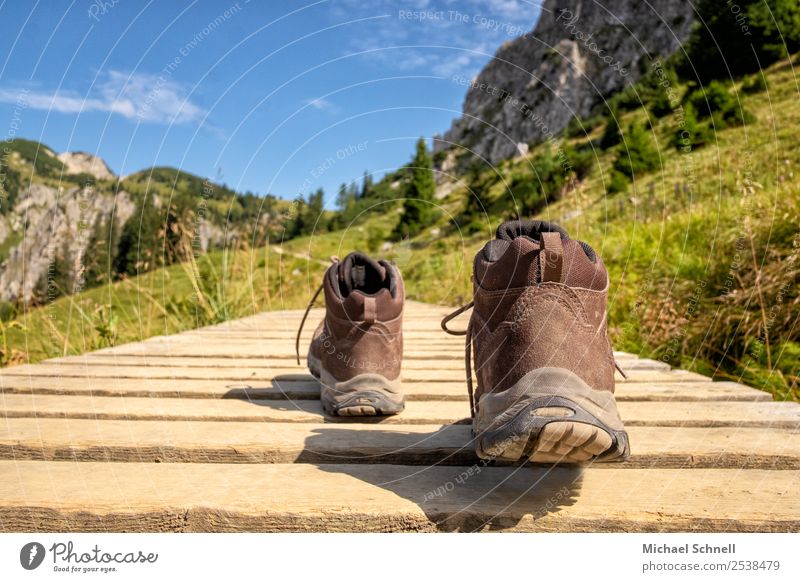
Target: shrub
{"x":715,"y":101}
{"x":693,"y":134}
{"x":754,"y":84}
{"x":611,"y":134}
{"x":629,"y":99}
{"x":9,"y":186}
{"x":479,"y":183}
{"x":580,"y":160}
{"x":661,"y":105}
{"x":618,"y":182}
{"x":637,"y":154}
{"x":578,"y":127}
{"x":719,"y":46}
{"x":550,"y":173}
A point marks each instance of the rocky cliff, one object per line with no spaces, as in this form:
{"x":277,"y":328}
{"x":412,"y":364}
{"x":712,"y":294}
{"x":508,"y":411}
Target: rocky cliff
{"x":64,"y":217}
{"x":51,"y":223}
{"x":83,"y":163}
{"x":580,"y":52}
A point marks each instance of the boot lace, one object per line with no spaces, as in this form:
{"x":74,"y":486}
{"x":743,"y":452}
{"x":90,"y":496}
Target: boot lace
{"x":467,"y":347}
{"x":311,"y":303}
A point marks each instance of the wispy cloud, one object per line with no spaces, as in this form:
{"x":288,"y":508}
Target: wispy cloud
{"x":467,"y":27}
{"x":512,"y":9}
{"x":137,"y":96}
{"x":321,"y":104}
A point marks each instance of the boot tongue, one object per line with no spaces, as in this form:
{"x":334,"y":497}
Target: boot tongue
{"x":531,"y":229}
{"x":358,"y":272}
{"x":512,"y":259}
{"x":528,"y":236}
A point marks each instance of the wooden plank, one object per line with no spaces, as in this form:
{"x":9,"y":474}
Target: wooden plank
{"x":412,"y":331}
{"x":289,"y":368}
{"x":707,"y":414}
{"x":92,"y":359}
{"x":439,"y":359}
{"x":57,"y":496}
{"x":246,"y":442}
{"x":304,"y":386}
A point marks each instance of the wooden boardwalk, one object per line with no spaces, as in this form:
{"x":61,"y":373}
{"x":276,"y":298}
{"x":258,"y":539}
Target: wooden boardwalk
{"x":218,"y":430}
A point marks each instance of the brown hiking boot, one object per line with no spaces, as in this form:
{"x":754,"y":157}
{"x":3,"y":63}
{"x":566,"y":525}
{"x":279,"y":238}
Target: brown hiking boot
{"x":543,"y":359}
{"x":357,"y":349}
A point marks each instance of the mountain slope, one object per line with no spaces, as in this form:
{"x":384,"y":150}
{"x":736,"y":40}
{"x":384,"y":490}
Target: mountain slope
{"x":580,"y":52}
{"x":66,"y":222}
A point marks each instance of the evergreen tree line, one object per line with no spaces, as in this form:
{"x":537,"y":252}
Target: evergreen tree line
{"x":411,"y":188}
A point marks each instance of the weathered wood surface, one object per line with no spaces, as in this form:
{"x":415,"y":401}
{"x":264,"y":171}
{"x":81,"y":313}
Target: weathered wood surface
{"x":712,"y":413}
{"x":299,"y":386}
{"x":218,"y":430}
{"x":42,"y":495}
{"x":422,"y":444}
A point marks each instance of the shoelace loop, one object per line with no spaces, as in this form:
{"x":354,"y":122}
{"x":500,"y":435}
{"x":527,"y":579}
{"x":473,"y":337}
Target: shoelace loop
{"x":467,"y":347}
{"x":334,"y":260}
{"x":448,"y":318}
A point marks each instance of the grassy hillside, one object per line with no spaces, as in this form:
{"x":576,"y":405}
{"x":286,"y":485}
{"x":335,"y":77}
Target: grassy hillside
{"x":217,"y":287}
{"x":702,"y":250}
{"x":702,"y":246}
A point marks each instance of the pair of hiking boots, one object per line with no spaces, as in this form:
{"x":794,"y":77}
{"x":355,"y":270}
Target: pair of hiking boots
{"x":543,"y":359}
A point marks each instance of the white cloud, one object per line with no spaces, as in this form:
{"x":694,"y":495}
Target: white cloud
{"x":137,"y":96}
{"x":321,"y":104}
{"x":468,"y":27}
{"x":513,"y":9}
{"x":455,"y":65}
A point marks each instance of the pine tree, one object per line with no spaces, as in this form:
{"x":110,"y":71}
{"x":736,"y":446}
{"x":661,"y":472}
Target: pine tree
{"x":418,"y":207}
{"x":637,"y":154}
{"x":343,"y":201}
{"x":366,"y":185}
{"x":611,"y":134}
{"x":97,"y":260}
{"x":313,"y":211}
{"x":719,"y":48}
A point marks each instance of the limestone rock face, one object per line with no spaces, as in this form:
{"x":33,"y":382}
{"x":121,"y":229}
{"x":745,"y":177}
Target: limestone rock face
{"x":83,"y":163}
{"x":50,"y":222}
{"x":580,"y":52}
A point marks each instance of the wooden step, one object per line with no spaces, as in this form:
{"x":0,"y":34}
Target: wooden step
{"x":282,"y":369}
{"x":708,"y":414}
{"x":305,"y":387}
{"x":162,"y":497}
{"x":157,"y":361}
{"x":193,"y":346}
{"x":248,"y":442}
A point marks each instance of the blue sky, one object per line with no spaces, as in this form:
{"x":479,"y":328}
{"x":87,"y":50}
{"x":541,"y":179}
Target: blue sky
{"x":280,"y":97}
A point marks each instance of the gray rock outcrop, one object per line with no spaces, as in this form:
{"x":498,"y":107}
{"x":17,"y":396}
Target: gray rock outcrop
{"x":580,"y":52}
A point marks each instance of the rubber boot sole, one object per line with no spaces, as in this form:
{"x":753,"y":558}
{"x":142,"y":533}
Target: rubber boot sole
{"x":363,"y":395}
{"x":550,"y":416}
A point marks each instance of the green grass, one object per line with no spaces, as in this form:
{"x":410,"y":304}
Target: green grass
{"x":165,"y":301}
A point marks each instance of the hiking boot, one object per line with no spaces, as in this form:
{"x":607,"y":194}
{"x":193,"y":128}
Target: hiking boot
{"x":357,"y":349}
{"x":543,"y":359}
